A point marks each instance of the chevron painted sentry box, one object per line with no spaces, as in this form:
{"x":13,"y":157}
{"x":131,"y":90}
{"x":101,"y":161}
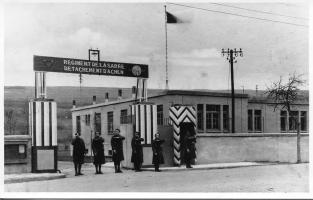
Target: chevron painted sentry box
{"x":179,"y":114}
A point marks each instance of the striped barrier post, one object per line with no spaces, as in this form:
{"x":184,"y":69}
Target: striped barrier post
{"x":43,"y":129}
{"x":179,"y":114}
{"x":145,"y":120}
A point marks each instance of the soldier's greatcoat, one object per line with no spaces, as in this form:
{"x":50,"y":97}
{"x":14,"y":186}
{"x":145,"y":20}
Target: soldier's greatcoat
{"x":190,"y":150}
{"x":157,"y":152}
{"x":117,"y":148}
{"x":137,"y":154}
{"x":78,"y":150}
{"x":98,"y":150}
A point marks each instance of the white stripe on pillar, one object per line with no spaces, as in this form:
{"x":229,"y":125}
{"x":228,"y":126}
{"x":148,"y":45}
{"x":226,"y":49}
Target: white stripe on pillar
{"x":149,"y":124}
{"x":54,"y":124}
{"x":137,"y":118}
{"x":132,"y":111}
{"x":30,"y":120}
{"x":155,"y":125}
{"x":38,"y":124}
{"x":46,"y":124}
{"x":142,"y":122}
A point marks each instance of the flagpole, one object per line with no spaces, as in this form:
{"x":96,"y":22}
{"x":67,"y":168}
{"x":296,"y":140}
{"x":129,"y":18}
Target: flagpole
{"x":166,"y":70}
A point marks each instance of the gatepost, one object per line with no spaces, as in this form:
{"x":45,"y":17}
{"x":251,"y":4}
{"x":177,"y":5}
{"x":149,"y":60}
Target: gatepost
{"x":43,"y":128}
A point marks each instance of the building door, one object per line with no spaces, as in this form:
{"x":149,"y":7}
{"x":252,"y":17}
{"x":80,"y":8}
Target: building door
{"x":186,"y":129}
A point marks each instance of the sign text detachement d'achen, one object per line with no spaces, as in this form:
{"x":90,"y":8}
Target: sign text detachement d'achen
{"x":78,"y":66}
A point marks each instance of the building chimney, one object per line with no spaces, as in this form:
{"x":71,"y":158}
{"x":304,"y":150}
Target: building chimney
{"x":133,"y":92}
{"x":106,"y":97}
{"x":119,"y":97}
{"x":94,"y":99}
{"x":74,"y":104}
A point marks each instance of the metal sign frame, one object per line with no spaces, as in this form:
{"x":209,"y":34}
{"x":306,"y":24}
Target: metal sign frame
{"x":79,"y":66}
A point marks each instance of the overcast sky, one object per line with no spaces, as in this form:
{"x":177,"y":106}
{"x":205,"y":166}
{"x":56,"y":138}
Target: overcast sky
{"x":135,"y":33}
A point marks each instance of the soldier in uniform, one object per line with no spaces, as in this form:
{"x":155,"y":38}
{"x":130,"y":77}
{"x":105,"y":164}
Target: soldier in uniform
{"x":117,"y":148}
{"x":157,"y":152}
{"x":79,"y":151}
{"x":190,"y":150}
{"x":98,"y":151}
{"x":137,"y":154}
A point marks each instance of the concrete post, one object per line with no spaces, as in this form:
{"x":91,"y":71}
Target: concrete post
{"x":253,"y":121}
{"x":221,"y":119}
{"x":298,"y":143}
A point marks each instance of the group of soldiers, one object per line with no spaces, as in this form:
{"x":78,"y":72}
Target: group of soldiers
{"x":79,"y":151}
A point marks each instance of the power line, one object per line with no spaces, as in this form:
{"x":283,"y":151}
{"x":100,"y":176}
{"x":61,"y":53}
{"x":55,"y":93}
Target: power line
{"x":238,"y":15}
{"x":259,"y":11}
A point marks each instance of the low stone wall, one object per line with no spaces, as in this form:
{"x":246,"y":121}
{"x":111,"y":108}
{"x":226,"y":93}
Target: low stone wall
{"x":223,"y":148}
{"x":17,"y":158}
{"x":226,"y":148}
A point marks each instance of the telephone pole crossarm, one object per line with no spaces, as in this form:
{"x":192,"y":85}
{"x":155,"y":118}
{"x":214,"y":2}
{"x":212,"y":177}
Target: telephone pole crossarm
{"x":231,"y":55}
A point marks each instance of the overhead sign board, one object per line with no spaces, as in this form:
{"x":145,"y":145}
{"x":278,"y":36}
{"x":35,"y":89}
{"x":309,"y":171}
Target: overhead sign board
{"x":70,"y":65}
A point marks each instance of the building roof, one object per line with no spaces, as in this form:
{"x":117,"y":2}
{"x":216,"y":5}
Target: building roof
{"x":203,"y":93}
{"x":165,"y":93}
{"x":260,"y":97}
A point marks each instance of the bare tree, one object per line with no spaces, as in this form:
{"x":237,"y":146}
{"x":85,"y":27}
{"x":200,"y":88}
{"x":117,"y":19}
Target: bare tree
{"x":285,"y":94}
{"x":25,"y":113}
{"x":10,"y":121}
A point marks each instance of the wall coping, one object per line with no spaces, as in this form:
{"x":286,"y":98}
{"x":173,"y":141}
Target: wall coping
{"x":250,"y":134}
{"x":17,"y":137}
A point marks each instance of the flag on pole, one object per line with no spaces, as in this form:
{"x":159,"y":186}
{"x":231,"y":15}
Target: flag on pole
{"x":171,"y":19}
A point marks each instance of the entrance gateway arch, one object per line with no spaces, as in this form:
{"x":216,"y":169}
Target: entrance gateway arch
{"x":43,"y":111}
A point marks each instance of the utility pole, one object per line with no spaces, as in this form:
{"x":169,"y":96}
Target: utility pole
{"x":243,"y":89}
{"x":166,"y":67}
{"x":231,"y":55}
{"x":256,"y":90}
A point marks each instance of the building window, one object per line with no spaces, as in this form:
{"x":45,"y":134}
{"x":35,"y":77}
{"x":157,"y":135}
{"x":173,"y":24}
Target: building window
{"x":303,"y":120}
{"x":257,"y":120}
{"x":225,"y":117}
{"x":160,"y":114}
{"x":212,"y":117}
{"x":87,"y":120}
{"x":123,"y":117}
{"x":293,"y":119}
{"x":254,"y":120}
{"x":250,"y":121}
{"x":110,"y":122}
{"x":78,"y":126}
{"x":14,"y":152}
{"x":283,"y":120}
{"x":200,"y":116}
{"x":98,"y":122}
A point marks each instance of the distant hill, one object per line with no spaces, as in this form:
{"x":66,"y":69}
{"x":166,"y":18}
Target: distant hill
{"x":65,"y":95}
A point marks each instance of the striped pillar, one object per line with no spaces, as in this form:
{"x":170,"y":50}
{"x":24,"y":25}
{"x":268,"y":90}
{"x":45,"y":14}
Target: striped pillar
{"x":43,"y":123}
{"x":179,"y":114}
{"x":145,"y":120}
{"x":43,"y":129}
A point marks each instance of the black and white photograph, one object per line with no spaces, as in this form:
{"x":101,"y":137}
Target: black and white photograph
{"x":153,"y":98}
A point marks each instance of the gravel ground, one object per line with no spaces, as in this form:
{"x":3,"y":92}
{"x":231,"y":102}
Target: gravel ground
{"x":271,"y":178}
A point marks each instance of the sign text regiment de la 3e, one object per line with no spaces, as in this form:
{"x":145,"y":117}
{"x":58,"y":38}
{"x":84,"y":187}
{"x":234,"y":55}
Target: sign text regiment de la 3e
{"x":69,"y":65}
